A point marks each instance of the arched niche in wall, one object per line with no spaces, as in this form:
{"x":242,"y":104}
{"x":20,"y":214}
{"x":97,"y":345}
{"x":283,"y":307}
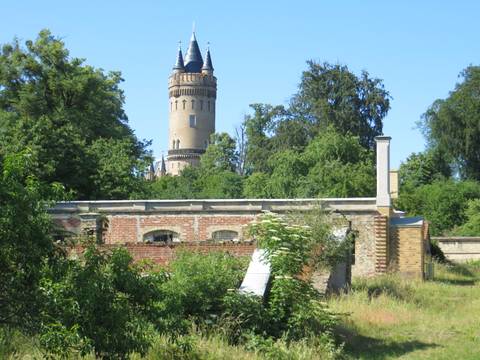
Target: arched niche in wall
{"x":161,"y":236}
{"x":225,"y":235}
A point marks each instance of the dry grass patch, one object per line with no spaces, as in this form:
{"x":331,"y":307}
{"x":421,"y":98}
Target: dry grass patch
{"x":391,"y":318}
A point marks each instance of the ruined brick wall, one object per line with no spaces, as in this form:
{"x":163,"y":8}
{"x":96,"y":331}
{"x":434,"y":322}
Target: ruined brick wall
{"x":162,"y":254}
{"x":129,"y":222}
{"x":363,"y":226}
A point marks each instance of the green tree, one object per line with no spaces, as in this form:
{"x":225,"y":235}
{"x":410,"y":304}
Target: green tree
{"x":220,"y":154}
{"x":259,"y":128}
{"x":331,"y":95}
{"x":423,"y":168}
{"x":472,"y":226}
{"x":25,"y":240}
{"x":256,"y":186}
{"x":59,"y":107}
{"x":220,"y":185}
{"x":288,"y":175}
{"x":452,"y":124}
{"x":339,"y":166}
{"x":115,"y":164}
{"x":443,"y":203}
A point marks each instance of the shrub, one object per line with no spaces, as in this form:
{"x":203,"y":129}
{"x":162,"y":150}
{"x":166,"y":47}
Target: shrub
{"x":101,"y":302}
{"x":198,"y":283}
{"x":293,"y":309}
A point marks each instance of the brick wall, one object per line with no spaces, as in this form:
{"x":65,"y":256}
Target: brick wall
{"x":407,"y":250}
{"x":163,"y":254}
{"x":381,"y":243}
{"x":132,"y":228}
{"x":127,"y":222}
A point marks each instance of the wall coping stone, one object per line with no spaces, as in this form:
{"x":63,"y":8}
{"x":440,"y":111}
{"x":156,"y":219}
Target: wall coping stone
{"x":213,"y":206}
{"x":456,"y":238}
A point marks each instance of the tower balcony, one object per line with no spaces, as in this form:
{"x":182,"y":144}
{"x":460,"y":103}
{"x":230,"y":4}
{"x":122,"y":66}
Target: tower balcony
{"x":177,"y":154}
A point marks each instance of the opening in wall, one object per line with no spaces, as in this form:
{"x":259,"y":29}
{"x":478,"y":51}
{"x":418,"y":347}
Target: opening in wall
{"x":162,"y":236}
{"x":225,"y":235}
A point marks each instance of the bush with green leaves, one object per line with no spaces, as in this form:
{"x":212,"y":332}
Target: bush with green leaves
{"x":100,"y":302}
{"x":293,"y":308}
{"x":25,"y":241}
{"x":443,"y":203}
{"x":197,"y":284}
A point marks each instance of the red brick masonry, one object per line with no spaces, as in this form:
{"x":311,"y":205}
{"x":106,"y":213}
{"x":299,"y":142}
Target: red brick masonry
{"x":162,"y":254}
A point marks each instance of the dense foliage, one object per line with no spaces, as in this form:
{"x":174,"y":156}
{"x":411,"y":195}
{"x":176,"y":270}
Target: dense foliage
{"x":331,"y":95}
{"x":452,"y":124}
{"x":99,"y":302}
{"x":25,"y":240}
{"x":70,"y":115}
{"x":293,"y":309}
{"x":441,"y":183}
{"x":441,"y":202}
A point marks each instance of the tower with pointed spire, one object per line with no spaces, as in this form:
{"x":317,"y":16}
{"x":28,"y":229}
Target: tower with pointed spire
{"x":192,"y":91}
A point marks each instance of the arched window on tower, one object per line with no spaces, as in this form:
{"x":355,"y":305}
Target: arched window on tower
{"x":201,"y":104}
{"x":173,"y":144}
{"x":208,"y":105}
{"x":176,"y":104}
{"x":184,"y":102}
{"x":178,"y":144}
{"x":193,"y":104}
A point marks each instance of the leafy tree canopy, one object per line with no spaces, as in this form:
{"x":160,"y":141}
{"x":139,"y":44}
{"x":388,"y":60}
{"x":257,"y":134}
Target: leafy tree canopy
{"x":443,"y":203}
{"x":423,"y":168}
{"x":331,"y":165}
{"x":71,"y":117}
{"x":331,"y":95}
{"x":220,"y":154}
{"x":453,"y":124}
{"x":25,"y":239}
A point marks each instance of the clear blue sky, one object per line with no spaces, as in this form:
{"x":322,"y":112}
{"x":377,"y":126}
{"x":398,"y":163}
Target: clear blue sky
{"x":259,"y":49}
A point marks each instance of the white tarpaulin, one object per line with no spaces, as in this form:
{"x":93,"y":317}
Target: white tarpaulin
{"x":258,"y":273}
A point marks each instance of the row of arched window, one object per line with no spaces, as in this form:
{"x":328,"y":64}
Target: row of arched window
{"x":176,"y":144}
{"x":168,"y":236}
{"x":209,"y":106}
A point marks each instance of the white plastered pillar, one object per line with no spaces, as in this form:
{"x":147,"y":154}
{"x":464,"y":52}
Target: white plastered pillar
{"x":383,"y":171}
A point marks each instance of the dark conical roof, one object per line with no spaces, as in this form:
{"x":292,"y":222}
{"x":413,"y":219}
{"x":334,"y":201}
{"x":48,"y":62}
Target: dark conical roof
{"x":193,"y":59}
{"x":207,"y":64}
{"x":179,"y":63}
{"x":163,"y":168}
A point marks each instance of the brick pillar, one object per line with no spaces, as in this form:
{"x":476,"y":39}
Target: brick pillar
{"x":91,"y":226}
{"x":381,"y":224}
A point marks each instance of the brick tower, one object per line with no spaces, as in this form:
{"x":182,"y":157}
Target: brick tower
{"x":192,"y":90}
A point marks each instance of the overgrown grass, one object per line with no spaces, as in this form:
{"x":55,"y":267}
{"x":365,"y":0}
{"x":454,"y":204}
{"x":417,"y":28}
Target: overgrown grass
{"x":383,"y":318}
{"x":388,"y":317}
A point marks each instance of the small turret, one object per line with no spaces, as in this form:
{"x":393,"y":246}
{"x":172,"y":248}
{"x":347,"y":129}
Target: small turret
{"x":179,"y":66}
{"x":207,"y":67}
{"x":150,"y":175}
{"x":161,"y":168}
